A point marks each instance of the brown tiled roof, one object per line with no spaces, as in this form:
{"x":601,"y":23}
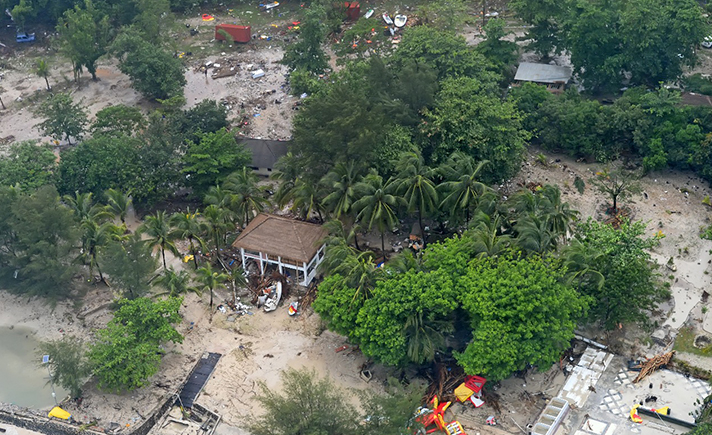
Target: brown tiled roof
{"x":280,"y":236}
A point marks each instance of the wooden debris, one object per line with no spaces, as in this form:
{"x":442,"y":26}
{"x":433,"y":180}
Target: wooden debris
{"x":653,"y":364}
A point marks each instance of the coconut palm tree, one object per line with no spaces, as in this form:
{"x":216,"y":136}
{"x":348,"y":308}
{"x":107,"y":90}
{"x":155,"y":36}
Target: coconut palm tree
{"x":210,"y":278}
{"x":287,"y":172}
{"x":357,"y":268}
{"x":341,"y":181}
{"x":414,"y":183}
{"x":545,"y":204}
{"x":176,"y":283}
{"x":376,"y":205}
{"x":84,"y":207}
{"x":189,"y":226}
{"x":580,"y":262}
{"x":340,"y":233}
{"x":118,"y":203}
{"x":94,"y":236}
{"x":534,"y":235}
{"x":159,"y":232}
{"x":462,"y":192}
{"x":218,"y":223}
{"x":306,"y":200}
{"x":486,"y":236}
{"x":42,"y":70}
{"x":249,"y":197}
{"x":424,"y":337}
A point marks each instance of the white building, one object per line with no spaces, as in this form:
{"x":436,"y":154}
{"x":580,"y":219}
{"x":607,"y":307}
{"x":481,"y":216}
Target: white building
{"x":294,"y":247}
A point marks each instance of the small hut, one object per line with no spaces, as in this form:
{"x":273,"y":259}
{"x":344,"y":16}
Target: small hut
{"x":290,"y":245}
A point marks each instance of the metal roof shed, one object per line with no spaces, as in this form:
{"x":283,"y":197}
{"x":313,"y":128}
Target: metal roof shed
{"x":542,"y":73}
{"x":283,"y":242}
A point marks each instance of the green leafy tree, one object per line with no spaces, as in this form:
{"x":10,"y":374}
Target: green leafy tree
{"x":84,"y":36}
{"x":307,"y":53}
{"x":617,"y":185}
{"x":211,"y":160}
{"x":209,"y":280}
{"x":496,"y":49}
{"x":28,"y":165}
{"x":68,"y":364}
{"x":129,"y":264}
{"x":155,"y":73}
{"x":377,"y":205}
{"x":543,"y":17}
{"x":127,"y":351}
{"x":285,"y":413}
{"x":415,"y":185}
{"x":94,"y":236}
{"x":42,"y":70}
{"x":406,"y":317}
{"x":208,"y":116}
{"x":307,"y":200}
{"x":45,"y":236}
{"x":287,"y":170}
{"x":64,"y":119}
{"x":218,"y":222}
{"x":158,"y":229}
{"x":520,"y":313}
{"x":118,"y":120}
{"x":467,"y":118}
{"x":616,"y":271}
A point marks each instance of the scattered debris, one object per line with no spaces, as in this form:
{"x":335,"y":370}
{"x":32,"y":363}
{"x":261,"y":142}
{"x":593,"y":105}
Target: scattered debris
{"x":653,"y":364}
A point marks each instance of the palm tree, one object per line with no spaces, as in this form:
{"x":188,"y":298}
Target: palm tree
{"x":84,"y":208}
{"x":306,"y":200}
{"x":357,"y":268}
{"x":462,"y":192}
{"x":486,"y":236}
{"x":534,"y":235}
{"x":580,"y":262}
{"x":377,"y":204}
{"x":176,"y":283}
{"x":188,"y":226}
{"x":559,"y":215}
{"x":209,"y":279}
{"x":42,"y":70}
{"x":95,"y":236}
{"x":341,"y":181}
{"x":415,"y":185}
{"x":287,"y":170}
{"x":217,"y":224}
{"x":249,"y":197}
{"x":340,"y":233}
{"x":118,"y":203}
{"x":424,"y":338}
{"x":158,"y":230}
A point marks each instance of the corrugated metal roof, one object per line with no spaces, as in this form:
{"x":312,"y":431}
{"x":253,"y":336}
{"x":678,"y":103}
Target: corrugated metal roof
{"x":542,"y":73}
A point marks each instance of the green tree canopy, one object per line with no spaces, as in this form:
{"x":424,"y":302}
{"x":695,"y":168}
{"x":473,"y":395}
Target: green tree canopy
{"x":129,"y":264}
{"x":64,"y":119}
{"x":28,"y":165}
{"x":84,"y":36}
{"x":630,"y":287}
{"x":306,"y":53}
{"x":155,"y":73}
{"x":211,"y":160}
{"x":118,"y":120}
{"x":520,"y":313}
{"x":127,"y":351}
{"x":467,"y":118}
{"x":68,"y":364}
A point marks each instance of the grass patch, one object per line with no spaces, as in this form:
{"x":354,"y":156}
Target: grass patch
{"x":685,"y":342}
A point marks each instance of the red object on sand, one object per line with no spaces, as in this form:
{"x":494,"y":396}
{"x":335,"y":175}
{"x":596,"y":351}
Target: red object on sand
{"x":341,"y":349}
{"x":238,"y":33}
{"x":353,"y":10}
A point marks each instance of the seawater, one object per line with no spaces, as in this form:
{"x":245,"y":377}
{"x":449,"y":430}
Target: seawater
{"x":23,"y":381}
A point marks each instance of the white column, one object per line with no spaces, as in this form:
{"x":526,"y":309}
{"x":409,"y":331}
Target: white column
{"x":306,"y":274}
{"x":279,"y":264}
{"x":262,"y":265}
{"x":242,"y":254}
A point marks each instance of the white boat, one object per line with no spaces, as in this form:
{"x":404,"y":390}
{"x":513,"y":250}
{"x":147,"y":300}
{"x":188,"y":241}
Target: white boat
{"x":271,"y":5}
{"x":368,"y":14}
{"x":387,"y":19}
{"x":400,"y":20}
{"x":275,"y":295}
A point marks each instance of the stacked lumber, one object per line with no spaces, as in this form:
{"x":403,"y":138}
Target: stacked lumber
{"x":653,"y":364}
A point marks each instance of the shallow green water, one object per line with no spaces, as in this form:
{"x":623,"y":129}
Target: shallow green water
{"x":22,"y":382}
